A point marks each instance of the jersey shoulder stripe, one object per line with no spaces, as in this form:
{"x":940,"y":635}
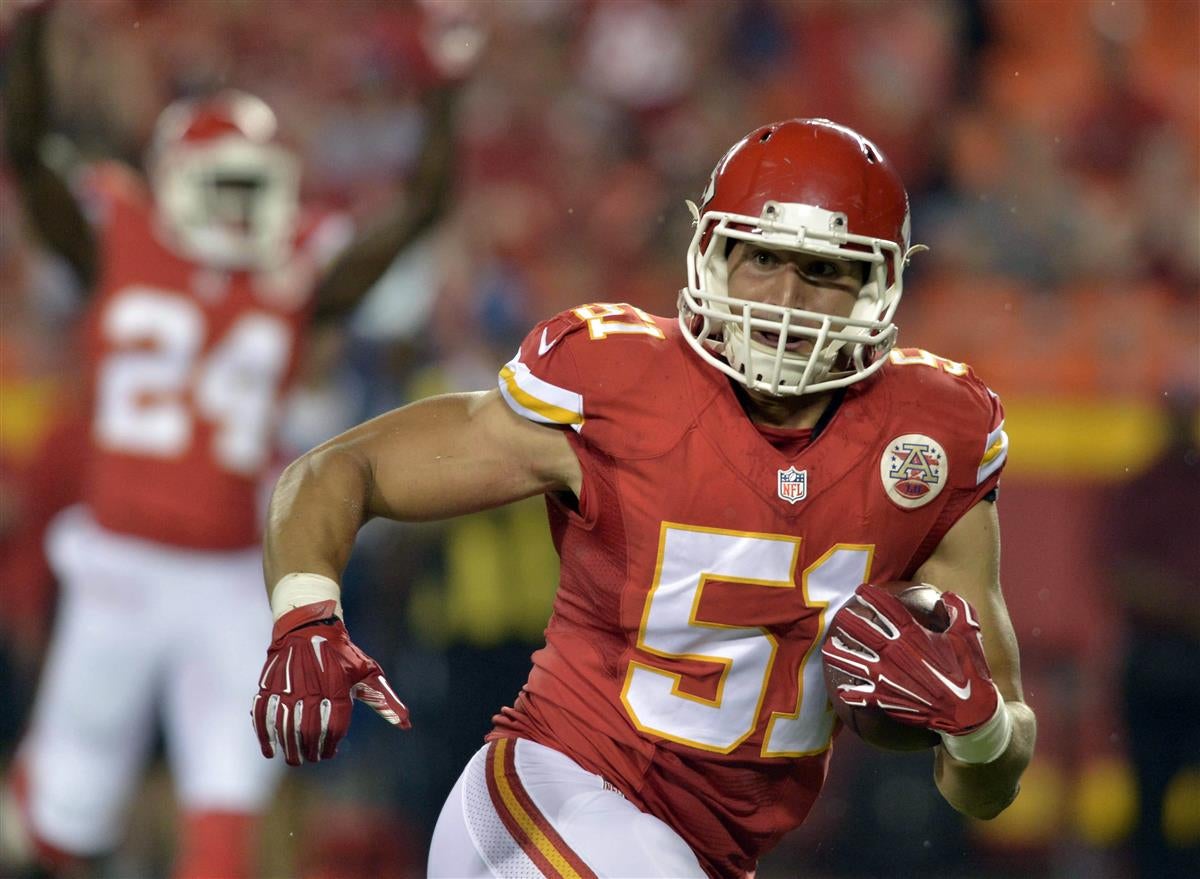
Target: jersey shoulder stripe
{"x":995,"y":453}
{"x":958,"y":404}
{"x":537,"y":399}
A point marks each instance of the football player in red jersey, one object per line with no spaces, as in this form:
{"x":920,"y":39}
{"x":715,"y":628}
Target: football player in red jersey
{"x":718,"y":485}
{"x":202,"y":278}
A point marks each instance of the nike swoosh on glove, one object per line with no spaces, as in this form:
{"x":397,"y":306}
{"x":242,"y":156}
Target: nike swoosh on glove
{"x":937,"y":680}
{"x":312,"y":675}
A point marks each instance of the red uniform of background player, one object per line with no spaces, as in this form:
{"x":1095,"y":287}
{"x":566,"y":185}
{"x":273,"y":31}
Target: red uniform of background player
{"x":719,"y":486}
{"x":187,"y":365}
{"x":202,"y":277}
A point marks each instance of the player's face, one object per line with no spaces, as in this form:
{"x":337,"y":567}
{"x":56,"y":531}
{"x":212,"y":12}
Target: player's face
{"x":795,"y":280}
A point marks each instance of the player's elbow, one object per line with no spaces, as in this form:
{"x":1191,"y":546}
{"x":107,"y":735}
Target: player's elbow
{"x":330,"y":471}
{"x":978,"y":799}
{"x":989,"y":810}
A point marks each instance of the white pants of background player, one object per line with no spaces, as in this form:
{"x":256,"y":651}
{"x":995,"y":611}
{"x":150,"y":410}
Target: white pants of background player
{"x":145,"y":634}
{"x":523,"y":811}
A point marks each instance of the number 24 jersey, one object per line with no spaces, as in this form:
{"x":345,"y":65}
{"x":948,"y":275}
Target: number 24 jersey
{"x":703,"y":563}
{"x":187,"y":368}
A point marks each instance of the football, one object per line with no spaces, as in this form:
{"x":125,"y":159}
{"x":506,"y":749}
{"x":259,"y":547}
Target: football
{"x":869,"y":723}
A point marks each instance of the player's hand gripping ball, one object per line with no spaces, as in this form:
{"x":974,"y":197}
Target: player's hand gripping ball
{"x":849,"y":673}
{"x":905,"y":666}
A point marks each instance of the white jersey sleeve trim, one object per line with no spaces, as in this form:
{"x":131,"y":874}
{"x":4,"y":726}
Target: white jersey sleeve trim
{"x":995,"y":455}
{"x":539,"y":400}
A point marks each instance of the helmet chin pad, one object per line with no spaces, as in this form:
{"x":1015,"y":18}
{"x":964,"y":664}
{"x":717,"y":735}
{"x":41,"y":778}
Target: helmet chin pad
{"x":765,"y":366}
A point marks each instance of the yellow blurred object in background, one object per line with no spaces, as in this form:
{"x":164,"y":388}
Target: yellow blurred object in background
{"x":1181,"y":809}
{"x":1033,"y":818}
{"x":1106,"y":801}
{"x":1099,"y":440}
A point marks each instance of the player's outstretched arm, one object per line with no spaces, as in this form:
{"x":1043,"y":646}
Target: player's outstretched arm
{"x":365,"y":259}
{"x":437,"y":458}
{"x":433,"y":459}
{"x":967,"y":562}
{"x":48,"y":201}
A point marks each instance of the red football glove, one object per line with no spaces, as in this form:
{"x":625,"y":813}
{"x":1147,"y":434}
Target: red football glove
{"x":938,"y":680}
{"x":311,"y":678}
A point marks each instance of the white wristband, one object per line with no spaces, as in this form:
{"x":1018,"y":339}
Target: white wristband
{"x":296,"y":590}
{"x":984,"y":744}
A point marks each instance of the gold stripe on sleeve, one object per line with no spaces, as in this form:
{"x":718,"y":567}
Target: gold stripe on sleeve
{"x":547,"y":411}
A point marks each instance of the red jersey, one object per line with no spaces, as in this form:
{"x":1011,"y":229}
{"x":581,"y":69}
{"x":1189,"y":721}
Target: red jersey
{"x":187,"y":365}
{"x":705,"y":559}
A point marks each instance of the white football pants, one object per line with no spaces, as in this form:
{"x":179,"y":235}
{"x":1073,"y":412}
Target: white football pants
{"x":145,"y":633}
{"x":523,"y":811}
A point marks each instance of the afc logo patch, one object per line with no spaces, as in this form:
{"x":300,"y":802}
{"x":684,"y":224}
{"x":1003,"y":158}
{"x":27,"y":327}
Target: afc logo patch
{"x":793,"y":484}
{"x":914,"y":469}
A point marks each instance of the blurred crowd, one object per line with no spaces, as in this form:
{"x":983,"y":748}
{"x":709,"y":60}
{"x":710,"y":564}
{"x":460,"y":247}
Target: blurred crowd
{"x":1052,"y":154}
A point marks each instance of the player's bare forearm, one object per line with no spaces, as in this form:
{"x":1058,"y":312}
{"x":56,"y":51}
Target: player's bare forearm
{"x":967,"y":562}
{"x":365,"y":260}
{"x":25,"y":105}
{"x":48,"y":202}
{"x":318,"y":505}
{"x":434,"y":459}
{"x":984,"y":790}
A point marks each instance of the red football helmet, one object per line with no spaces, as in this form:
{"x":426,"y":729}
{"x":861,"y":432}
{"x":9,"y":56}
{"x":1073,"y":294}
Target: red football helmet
{"x":813,"y":186}
{"x":226,"y":190}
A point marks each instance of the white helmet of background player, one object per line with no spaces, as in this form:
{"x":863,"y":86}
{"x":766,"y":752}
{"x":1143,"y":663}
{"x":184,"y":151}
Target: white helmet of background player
{"x":815,"y":187}
{"x":226,"y":191}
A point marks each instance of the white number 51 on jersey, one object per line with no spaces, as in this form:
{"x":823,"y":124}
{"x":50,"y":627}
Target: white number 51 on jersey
{"x":689,"y":556}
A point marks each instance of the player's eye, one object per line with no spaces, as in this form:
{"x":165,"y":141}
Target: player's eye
{"x":833,"y":271}
{"x":763,"y":258}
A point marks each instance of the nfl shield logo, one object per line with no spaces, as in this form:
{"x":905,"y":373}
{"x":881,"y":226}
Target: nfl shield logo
{"x":793,"y":484}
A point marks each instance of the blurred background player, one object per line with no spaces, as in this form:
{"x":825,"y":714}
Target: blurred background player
{"x":675,"y":723}
{"x":202,"y":276}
